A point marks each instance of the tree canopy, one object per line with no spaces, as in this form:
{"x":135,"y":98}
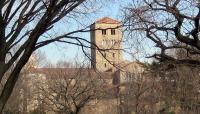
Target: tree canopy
{"x":167,"y":25}
{"x":24,"y":28}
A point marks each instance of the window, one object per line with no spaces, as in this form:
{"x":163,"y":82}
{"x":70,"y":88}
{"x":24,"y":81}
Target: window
{"x":105,"y":65}
{"x":103,"y":32}
{"x":112,"y":31}
{"x":113,"y":42}
{"x":130,"y":76}
{"x":113,"y":55}
{"x":104,"y":54}
{"x":103,"y":42}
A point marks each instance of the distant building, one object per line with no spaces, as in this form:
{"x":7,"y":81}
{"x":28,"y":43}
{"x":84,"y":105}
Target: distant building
{"x":106,"y":38}
{"x":109,"y":67}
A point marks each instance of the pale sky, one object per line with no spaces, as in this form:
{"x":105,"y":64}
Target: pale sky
{"x":113,"y":10}
{"x":57,"y":51}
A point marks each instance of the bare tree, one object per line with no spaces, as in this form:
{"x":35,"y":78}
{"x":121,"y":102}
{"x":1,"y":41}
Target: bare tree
{"x":179,"y":85}
{"x":140,"y":95}
{"x":166,"y":25}
{"x":22,"y":87}
{"x":68,"y":90}
{"x":25,"y":26}
{"x":162,"y":88}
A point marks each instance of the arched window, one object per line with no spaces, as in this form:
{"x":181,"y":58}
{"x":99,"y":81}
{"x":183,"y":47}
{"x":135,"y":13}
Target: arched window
{"x":103,"y":42}
{"x":113,"y":55}
{"x":112,"y":31}
{"x":130,"y":76}
{"x":103,"y":32}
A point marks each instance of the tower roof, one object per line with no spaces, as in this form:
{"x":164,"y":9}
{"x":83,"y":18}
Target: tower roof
{"x":107,"y":20}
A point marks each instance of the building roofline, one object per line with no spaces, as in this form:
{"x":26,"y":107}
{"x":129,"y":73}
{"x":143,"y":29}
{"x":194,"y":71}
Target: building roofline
{"x":107,"y":20}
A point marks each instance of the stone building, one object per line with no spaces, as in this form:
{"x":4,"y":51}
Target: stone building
{"x":106,"y":38}
{"x":107,"y":64}
{"x":106,"y":56}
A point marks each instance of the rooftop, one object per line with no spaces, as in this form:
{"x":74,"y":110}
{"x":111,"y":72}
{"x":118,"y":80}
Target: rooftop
{"x":107,"y":20}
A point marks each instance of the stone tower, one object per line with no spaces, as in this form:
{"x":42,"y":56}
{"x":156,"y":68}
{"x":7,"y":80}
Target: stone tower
{"x":108,"y":41}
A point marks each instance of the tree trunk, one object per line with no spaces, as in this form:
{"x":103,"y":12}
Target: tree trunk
{"x":13,"y":77}
{"x":8,"y":88}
